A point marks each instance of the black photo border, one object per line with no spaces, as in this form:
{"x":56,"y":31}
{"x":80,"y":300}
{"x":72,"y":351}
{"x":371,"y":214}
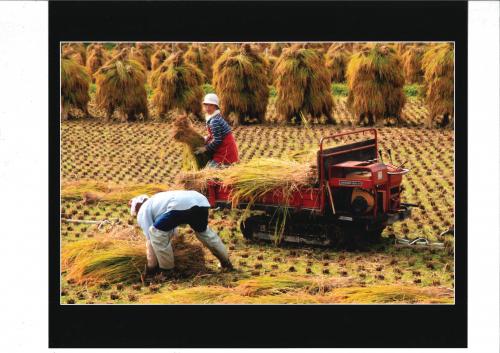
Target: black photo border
{"x":248,"y":326}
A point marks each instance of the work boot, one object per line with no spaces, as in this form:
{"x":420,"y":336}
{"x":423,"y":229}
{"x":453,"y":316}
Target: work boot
{"x":226,"y":266}
{"x":149,"y":274}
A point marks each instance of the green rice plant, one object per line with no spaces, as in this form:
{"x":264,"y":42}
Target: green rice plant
{"x":438,"y":64}
{"x":240,"y":80}
{"x":302,"y":84}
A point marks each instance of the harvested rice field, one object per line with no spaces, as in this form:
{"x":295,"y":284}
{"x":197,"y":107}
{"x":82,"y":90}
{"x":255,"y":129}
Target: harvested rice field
{"x":104,"y":164}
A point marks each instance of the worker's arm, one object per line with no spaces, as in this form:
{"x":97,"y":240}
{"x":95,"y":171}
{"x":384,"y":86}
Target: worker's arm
{"x":219,"y":130}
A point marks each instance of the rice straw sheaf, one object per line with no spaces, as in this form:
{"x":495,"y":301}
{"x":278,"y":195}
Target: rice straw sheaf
{"x":240,"y":79}
{"x":336,"y":59}
{"x":147,"y":50}
{"x":302,"y":85}
{"x":177,"y":85}
{"x":120,"y":86}
{"x":139,"y":56}
{"x":75,"y":82}
{"x":184,"y":133}
{"x":96,"y":58}
{"x":117,"y":260}
{"x":412,"y":64}
{"x":158,"y":58}
{"x":375,"y":79}
{"x":199,"y":56}
{"x":75,"y":51}
{"x":217,"y":50}
{"x":438,"y":66}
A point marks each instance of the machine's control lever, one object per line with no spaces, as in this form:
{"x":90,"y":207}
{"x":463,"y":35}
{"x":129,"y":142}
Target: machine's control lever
{"x":380,"y":154}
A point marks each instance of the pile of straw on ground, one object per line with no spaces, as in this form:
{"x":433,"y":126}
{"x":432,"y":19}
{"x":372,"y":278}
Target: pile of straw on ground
{"x":438,"y":66}
{"x":74,"y":87}
{"x":302,"y":85}
{"x":375,"y":79}
{"x":120,"y":86}
{"x":118,"y":258}
{"x":240,"y":79}
{"x":184,"y":133}
{"x":177,"y":85}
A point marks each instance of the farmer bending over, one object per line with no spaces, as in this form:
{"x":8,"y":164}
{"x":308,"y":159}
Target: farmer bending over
{"x":220,"y":141}
{"x":159,"y":216}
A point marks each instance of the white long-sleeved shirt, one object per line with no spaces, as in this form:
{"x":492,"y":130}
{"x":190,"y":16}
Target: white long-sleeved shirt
{"x":163,"y":202}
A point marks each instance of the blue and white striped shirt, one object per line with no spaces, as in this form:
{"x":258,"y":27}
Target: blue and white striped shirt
{"x":219,"y":128}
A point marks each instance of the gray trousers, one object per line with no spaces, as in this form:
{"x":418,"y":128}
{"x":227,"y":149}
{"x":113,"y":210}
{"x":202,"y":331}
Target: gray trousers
{"x":161,"y":245}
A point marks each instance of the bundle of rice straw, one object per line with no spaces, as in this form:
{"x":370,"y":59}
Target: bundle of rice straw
{"x":250,"y":180}
{"x":375,"y":79}
{"x":117,"y":260}
{"x":439,"y":77}
{"x":184,"y":132}
{"x":74,"y":87}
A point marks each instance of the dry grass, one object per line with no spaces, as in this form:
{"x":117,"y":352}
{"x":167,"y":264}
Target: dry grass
{"x":241,"y":82}
{"x":199,"y":56}
{"x":438,"y":65}
{"x":93,"y":191}
{"x":412,"y":64}
{"x":184,"y":133}
{"x":74,"y":87}
{"x":302,"y":85}
{"x":336,"y":59}
{"x":177,"y":85}
{"x":375,"y":79}
{"x":120,"y":87}
{"x":120,"y":258}
{"x":158,"y":58}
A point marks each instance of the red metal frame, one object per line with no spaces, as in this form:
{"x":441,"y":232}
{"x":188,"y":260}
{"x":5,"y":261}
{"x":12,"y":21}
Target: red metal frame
{"x":314,"y":198}
{"x":322,"y":181}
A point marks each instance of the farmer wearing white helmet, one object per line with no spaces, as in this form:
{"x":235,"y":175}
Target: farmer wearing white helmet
{"x":159,"y":216}
{"x":220,"y":141}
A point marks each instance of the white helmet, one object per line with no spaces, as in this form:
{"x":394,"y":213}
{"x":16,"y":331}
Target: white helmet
{"x":136,"y":200}
{"x":211,"y":98}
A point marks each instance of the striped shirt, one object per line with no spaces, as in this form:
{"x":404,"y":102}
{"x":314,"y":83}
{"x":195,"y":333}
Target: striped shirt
{"x":219,"y":129}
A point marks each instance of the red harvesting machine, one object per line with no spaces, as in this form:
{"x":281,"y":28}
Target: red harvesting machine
{"x":356,"y":195}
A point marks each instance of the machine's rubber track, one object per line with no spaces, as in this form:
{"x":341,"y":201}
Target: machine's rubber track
{"x":303,"y":231}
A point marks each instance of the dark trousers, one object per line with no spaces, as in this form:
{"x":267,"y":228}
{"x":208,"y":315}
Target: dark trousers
{"x":196,"y":217}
